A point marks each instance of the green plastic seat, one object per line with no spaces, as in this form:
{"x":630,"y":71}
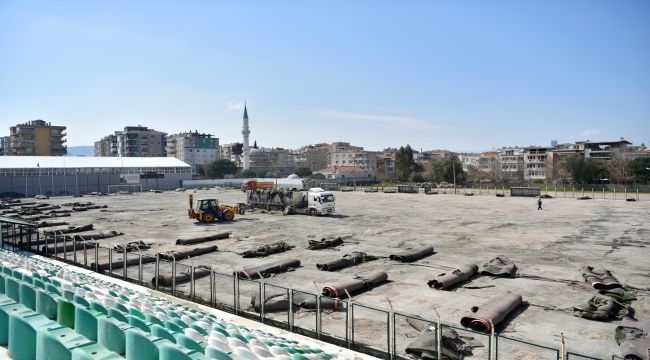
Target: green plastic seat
{"x":65,"y":311}
{"x":58,"y":342}
{"x":27,"y":295}
{"x":188,"y":342}
{"x":153,"y":319}
{"x":86,"y":322}
{"x":94,"y":352}
{"x":135,"y":312}
{"x":80,"y":300}
{"x":22,"y":334}
{"x":213,"y":353}
{"x":46,"y":304}
{"x":52,"y":289}
{"x":172,"y":326}
{"x":162,"y":332}
{"x":12,"y":288}
{"x":139,"y":323}
{"x":142,"y":346}
{"x":117,"y":314}
{"x":98,"y":307}
{"x":175,"y":352}
{"x":111,"y":334}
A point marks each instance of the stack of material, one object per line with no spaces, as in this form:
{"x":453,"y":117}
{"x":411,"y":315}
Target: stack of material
{"x":632,"y":337}
{"x":132,"y":246}
{"x":450,"y":279}
{"x":495,"y":309}
{"x":356,"y":284}
{"x":180,"y":255}
{"x":168,"y":279}
{"x":613,"y":299}
{"x":452,"y":347}
{"x":280,"y":302}
{"x":202,"y":239}
{"x":268,"y":269}
{"x":100,"y":235}
{"x":348,"y":260}
{"x":412,"y":254}
{"x":500,"y":266}
{"x":324,"y":243}
{"x":266,"y":250}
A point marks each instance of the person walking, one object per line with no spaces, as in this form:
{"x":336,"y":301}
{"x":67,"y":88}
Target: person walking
{"x":539,"y":204}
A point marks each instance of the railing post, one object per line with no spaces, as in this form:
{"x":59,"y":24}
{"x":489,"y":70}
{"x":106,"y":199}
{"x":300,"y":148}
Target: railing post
{"x":96,"y":257}
{"x":262,"y":291}
{"x":110,"y":260}
{"x":192,"y":285}
{"x":65,"y":253}
{"x":562,"y":347}
{"x":139,"y":267}
{"x":212,"y":285}
{"x":173,"y":275}
{"x":290,"y":314}
{"x":391,"y":330}
{"x":349,"y":331}
{"x":157,"y":271}
{"x":493,"y":344}
{"x":74,"y":251}
{"x":85,"y":256}
{"x":124,"y":254}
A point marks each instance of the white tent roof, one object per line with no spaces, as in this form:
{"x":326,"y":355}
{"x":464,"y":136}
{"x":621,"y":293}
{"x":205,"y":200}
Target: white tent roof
{"x":27,"y":162}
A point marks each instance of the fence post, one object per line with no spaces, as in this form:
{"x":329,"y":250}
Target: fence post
{"x":173,"y":275}
{"x":157,"y":271}
{"x":192,"y":285}
{"x":110,"y":261}
{"x":349,"y":332}
{"x":438,"y":334}
{"x":614,"y":193}
{"x":236,"y":292}
{"x":493,"y":347}
{"x":592,"y":193}
{"x":262,"y":297}
{"x":124,"y":274}
{"x":85,"y":256}
{"x":96,"y":257}
{"x":290,"y":319}
{"x":625,"y":193}
{"x":65,"y":253}
{"x":74,"y":250}
{"x":603,"y":193}
{"x":212,"y":284}
{"x":139,"y":266}
{"x":562,"y":348}
{"x":391,"y":330}
{"x":637,"y":195}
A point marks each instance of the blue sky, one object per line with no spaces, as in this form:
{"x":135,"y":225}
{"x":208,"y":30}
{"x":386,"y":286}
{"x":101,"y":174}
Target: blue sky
{"x":458,"y":75}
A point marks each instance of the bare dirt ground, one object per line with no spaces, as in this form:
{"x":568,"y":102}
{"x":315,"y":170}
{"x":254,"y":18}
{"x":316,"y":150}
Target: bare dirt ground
{"x":548,"y":247}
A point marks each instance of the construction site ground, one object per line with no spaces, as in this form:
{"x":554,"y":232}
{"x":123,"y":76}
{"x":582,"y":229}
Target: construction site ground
{"x":548,"y":246}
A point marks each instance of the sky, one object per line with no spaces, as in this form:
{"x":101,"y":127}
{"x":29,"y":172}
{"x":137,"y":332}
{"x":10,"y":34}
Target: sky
{"x":462,"y":75}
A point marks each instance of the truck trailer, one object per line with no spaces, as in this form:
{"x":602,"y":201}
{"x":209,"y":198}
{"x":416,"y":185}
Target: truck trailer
{"x":314,"y":201}
{"x":279,"y":183}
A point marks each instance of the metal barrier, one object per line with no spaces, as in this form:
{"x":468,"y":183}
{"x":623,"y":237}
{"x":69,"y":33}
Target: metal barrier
{"x":378,"y":332}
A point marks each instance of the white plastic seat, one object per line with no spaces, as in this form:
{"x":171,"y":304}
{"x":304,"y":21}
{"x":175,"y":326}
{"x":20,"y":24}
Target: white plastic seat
{"x":258,"y":343}
{"x":223,"y":346}
{"x":193,"y":334}
{"x":261,"y":352}
{"x":245,"y":354}
{"x":277,"y":351}
{"x":234,"y":343}
{"x":219,"y":336}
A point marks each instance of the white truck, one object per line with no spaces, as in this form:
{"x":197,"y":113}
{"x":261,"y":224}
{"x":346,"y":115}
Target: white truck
{"x":314,"y":201}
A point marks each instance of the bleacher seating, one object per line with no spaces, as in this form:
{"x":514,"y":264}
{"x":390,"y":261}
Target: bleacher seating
{"x":50,"y":312}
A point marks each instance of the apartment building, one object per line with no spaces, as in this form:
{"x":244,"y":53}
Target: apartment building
{"x":313,"y":157}
{"x":233,"y":152}
{"x":511,"y":161}
{"x":535,"y":163}
{"x":386,"y":164}
{"x":343,"y":154}
{"x":37,"y":137}
{"x":271,"y":160}
{"x":193,"y":148}
{"x":134,"y":141}
{"x":4,"y":145}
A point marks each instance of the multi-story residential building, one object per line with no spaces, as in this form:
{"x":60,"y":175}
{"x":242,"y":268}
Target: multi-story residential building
{"x":511,"y":161}
{"x":37,"y":137}
{"x":5,"y":148}
{"x":233,"y":152}
{"x":535,"y":163}
{"x":342,"y":154}
{"x":604,"y":150}
{"x":486,"y":161}
{"x":194,"y":149}
{"x":107,"y":146}
{"x":134,"y":141}
{"x":313,"y":157}
{"x":386,"y":164}
{"x":277,"y":161}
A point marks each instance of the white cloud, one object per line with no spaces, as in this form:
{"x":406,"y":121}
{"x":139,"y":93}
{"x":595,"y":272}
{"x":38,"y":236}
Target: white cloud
{"x":235,"y":105}
{"x":590,"y":132}
{"x":402,"y":121}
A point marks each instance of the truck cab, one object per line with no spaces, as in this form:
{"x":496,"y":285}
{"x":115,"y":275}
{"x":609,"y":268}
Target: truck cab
{"x":320,"y":202}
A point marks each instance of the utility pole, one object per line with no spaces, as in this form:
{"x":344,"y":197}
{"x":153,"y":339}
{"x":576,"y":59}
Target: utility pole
{"x":453,"y":169}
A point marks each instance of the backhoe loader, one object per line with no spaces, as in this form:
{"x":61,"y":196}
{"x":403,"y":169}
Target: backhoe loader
{"x":209,"y":210}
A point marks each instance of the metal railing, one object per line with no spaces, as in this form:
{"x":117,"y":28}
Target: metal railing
{"x":379,"y":332}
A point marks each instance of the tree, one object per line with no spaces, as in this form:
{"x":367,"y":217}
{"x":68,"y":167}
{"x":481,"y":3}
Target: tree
{"x":640,"y":169}
{"x":443,"y":170}
{"x":404,"y":163}
{"x":218,"y":168}
{"x":619,"y":169}
{"x":583,"y":170}
{"x":302,"y":172}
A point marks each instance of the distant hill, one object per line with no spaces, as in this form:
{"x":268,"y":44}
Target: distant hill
{"x":81,"y":150}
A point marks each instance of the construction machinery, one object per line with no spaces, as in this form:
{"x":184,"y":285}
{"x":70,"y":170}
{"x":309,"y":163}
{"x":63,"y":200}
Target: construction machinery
{"x":314,"y":201}
{"x":209,"y":210}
